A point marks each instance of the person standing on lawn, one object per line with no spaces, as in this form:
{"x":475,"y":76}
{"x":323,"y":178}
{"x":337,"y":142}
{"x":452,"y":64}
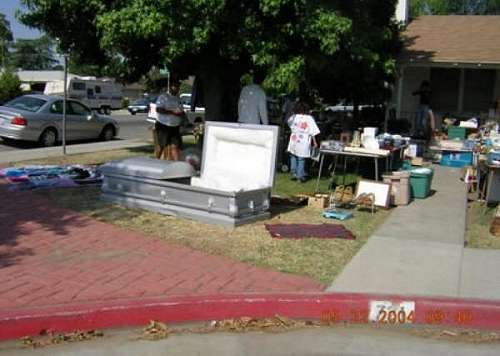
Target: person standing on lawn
{"x":167,"y":126}
{"x":304,"y":131}
{"x":252,"y":104}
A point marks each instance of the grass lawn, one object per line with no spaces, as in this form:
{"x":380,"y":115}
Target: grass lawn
{"x":319,"y":259}
{"x":479,"y":219}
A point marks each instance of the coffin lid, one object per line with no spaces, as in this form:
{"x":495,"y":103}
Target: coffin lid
{"x":149,"y":168}
{"x":241,"y":154}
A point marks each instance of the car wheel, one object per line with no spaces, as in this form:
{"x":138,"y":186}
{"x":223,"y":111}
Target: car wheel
{"x":48,"y":138}
{"x":108,"y":133}
{"x":133,"y":112}
{"x":107,"y":110}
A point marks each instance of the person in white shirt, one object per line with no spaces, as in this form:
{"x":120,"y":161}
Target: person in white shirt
{"x":304,"y":131}
{"x":252,"y":105}
{"x":167,"y":126}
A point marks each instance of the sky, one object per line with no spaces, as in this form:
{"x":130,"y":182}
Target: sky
{"x":9,"y":7}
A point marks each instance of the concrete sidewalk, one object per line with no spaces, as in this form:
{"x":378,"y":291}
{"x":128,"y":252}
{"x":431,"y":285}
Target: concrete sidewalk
{"x":37,"y":153}
{"x":420,"y":250}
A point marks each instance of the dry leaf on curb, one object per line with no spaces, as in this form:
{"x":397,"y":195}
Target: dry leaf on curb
{"x":276,"y":323}
{"x":156,"y":330}
{"x":50,"y":338}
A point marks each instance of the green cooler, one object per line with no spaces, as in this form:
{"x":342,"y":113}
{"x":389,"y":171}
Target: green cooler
{"x":420,"y":182}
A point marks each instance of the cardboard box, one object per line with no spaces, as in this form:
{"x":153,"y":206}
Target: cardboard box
{"x":417,"y":161}
{"x":319,"y":201}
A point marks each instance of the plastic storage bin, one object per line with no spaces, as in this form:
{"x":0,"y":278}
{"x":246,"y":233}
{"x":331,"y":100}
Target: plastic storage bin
{"x":455,"y":132}
{"x":420,"y":182}
{"x":456,"y":159}
{"x":400,"y":187}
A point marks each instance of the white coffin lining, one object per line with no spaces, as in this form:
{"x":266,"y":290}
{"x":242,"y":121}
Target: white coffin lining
{"x":237,"y":160}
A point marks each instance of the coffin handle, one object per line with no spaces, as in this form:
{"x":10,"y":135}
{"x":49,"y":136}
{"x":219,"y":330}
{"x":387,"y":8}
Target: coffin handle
{"x":211,"y":204}
{"x":163,"y":196}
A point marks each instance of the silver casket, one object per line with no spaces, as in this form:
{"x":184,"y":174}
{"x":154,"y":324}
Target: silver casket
{"x":234,"y":187}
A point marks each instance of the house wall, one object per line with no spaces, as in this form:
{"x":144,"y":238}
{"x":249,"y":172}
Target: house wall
{"x":496,"y":95}
{"x":132,"y":93}
{"x":403,"y":10}
{"x":413,"y":77}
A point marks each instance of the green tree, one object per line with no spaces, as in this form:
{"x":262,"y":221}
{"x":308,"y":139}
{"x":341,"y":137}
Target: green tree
{"x":335,"y":48}
{"x":455,"y":7}
{"x":10,"y":86}
{"x":33,"y":54}
{"x":5,"y":39}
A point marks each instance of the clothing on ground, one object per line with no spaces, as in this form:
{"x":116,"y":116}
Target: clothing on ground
{"x":252,"y":105}
{"x":36,"y":177}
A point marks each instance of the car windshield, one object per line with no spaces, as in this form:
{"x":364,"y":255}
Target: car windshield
{"x":186,"y":100}
{"x":27,"y":103}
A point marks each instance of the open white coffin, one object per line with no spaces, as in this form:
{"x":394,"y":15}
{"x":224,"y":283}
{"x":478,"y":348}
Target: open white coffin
{"x":234,"y":186}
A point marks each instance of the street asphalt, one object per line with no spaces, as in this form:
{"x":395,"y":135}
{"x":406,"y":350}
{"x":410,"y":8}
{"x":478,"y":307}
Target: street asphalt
{"x":349,"y":340}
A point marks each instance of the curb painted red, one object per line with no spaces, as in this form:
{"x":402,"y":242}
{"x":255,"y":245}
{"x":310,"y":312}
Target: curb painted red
{"x":331,"y":307}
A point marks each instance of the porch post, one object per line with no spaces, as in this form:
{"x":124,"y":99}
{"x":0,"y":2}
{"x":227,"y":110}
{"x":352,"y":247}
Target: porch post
{"x":400,"y":92}
{"x":461,"y":91}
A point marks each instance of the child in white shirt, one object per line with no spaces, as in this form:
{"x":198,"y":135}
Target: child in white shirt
{"x":304,"y":131}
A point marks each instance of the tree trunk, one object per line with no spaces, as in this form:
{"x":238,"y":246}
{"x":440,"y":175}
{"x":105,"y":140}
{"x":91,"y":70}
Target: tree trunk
{"x":221,"y":88}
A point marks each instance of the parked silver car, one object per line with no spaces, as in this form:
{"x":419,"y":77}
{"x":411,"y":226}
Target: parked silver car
{"x":39,"y":118}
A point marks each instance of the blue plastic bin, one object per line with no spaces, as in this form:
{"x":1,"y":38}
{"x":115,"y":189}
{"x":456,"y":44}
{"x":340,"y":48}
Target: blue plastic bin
{"x":456,"y":159}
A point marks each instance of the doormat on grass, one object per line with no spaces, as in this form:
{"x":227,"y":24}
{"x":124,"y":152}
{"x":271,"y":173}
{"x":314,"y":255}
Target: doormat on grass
{"x":37,"y":177}
{"x":300,"y":231}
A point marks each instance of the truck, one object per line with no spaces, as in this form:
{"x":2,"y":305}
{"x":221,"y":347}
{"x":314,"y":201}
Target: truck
{"x":195,"y":119}
{"x":99,"y":94}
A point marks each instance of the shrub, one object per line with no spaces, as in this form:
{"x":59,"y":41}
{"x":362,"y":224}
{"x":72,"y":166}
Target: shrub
{"x":125,"y":102}
{"x":10,"y":86}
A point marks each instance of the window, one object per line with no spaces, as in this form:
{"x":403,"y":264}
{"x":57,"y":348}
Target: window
{"x":90,"y":93}
{"x":186,"y":100}
{"x":27,"y":103}
{"x":97,"y":89}
{"x":141,"y":102}
{"x":78,"y":109}
{"x":56,"y":108}
{"x":78,"y":86}
{"x":478,"y":89}
{"x":445,"y":85}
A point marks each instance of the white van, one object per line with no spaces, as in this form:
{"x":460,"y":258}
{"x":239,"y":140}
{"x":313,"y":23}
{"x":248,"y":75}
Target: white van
{"x":103,"y":95}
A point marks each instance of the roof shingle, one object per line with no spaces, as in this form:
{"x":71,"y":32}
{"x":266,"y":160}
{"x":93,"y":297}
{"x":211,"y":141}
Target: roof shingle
{"x":463,"y":39}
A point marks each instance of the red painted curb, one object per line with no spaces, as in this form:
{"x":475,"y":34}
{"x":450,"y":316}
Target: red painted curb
{"x":334,"y":307}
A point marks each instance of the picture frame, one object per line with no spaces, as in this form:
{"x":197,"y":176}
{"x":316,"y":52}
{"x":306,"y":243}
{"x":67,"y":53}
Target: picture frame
{"x":382,"y":191}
